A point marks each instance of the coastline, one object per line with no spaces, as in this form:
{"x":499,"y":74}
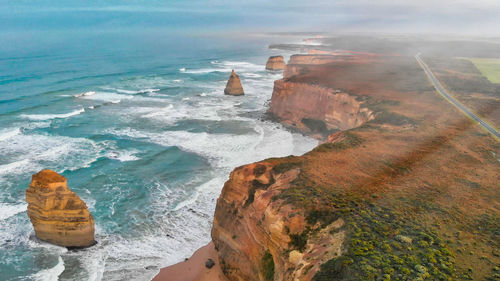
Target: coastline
{"x":194,"y":269}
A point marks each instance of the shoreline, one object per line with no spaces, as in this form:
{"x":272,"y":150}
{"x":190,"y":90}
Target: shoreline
{"x":194,"y":269}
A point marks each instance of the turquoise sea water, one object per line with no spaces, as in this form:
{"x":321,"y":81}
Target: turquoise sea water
{"x":136,"y":120}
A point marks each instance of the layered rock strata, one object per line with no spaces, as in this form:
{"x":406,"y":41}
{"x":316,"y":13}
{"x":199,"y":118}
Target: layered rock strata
{"x":233,"y":86}
{"x":275,"y":63}
{"x":315,"y":109}
{"x":251,"y":228}
{"x":58,"y":215}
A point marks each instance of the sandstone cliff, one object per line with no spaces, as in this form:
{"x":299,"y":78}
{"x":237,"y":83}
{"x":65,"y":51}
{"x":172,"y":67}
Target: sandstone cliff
{"x":275,"y":63}
{"x":298,"y":63}
{"x":315,"y":109}
{"x":406,"y":192}
{"x":233,"y":86}
{"x":58,"y":215}
{"x":266,"y":235}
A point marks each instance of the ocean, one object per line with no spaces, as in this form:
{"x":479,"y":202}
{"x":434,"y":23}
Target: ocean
{"x":135,"y":118}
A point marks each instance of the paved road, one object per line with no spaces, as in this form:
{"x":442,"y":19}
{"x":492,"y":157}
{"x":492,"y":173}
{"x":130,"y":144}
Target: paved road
{"x":448,"y":97}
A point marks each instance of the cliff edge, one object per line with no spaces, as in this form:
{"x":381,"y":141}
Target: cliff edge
{"x":403,"y":188}
{"x":275,"y":63}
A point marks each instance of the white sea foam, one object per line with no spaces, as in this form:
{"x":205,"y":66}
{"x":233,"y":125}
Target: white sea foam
{"x":221,"y":148}
{"x":206,"y":70}
{"x":133,"y":92}
{"x":41,"y":117}
{"x":226,"y":66}
{"x":106,"y":97}
{"x":9,"y":133}
{"x":9,"y":210}
{"x":55,"y":152}
{"x":123,"y":156}
{"x":241,"y":66}
{"x":182,"y":215}
{"x":252,"y":75}
{"x":51,"y":274}
{"x":86,"y":94}
{"x":171,"y":114}
{"x":192,"y":199}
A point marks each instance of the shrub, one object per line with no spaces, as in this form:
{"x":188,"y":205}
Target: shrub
{"x":267,"y":265}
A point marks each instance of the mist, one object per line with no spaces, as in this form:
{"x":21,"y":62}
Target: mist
{"x":446,"y":16}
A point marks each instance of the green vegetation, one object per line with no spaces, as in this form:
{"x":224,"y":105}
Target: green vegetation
{"x":469,"y":183}
{"x":299,"y":241}
{"x":489,"y":68}
{"x":384,"y":246}
{"x":385,"y":117}
{"x":256,"y":184}
{"x":267,"y":266}
{"x":317,"y":126}
{"x":285,"y":166}
{"x":350,"y":140}
{"x":488,"y":225}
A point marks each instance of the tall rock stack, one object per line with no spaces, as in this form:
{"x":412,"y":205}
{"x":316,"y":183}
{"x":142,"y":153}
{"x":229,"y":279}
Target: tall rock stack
{"x":58,"y":215}
{"x":275,"y":63}
{"x":233,"y":86}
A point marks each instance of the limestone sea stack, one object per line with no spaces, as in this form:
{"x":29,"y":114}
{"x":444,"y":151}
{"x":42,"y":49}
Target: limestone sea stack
{"x":275,"y":63}
{"x":233,"y":86}
{"x":58,"y":215}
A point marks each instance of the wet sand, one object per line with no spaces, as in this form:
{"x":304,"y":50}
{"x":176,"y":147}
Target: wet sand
{"x":194,"y":268}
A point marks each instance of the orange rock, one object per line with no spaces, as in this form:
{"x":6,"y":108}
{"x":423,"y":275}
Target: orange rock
{"x":58,"y":215}
{"x":275,"y":63}
{"x":249,"y":225}
{"x":315,"y":109}
{"x":233,"y":86}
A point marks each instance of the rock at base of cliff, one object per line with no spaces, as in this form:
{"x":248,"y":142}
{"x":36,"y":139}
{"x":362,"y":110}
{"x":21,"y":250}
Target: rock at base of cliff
{"x":275,"y":63}
{"x":58,"y":215}
{"x":233,"y":86}
{"x":209,"y":263}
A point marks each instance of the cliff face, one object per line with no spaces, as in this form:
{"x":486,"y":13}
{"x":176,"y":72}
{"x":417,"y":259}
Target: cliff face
{"x":233,"y":86}
{"x":316,"y":109}
{"x":252,"y":228}
{"x":58,"y":215}
{"x":275,"y":63}
{"x":298,"y":63}
{"x":410,"y":195}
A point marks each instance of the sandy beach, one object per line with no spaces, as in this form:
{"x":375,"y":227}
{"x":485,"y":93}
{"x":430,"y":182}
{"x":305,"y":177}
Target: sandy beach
{"x":194,"y":268}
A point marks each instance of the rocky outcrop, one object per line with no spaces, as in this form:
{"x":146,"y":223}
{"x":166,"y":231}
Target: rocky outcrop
{"x":233,"y":86}
{"x":275,"y":63}
{"x":58,"y":215}
{"x":253,"y":231}
{"x":315,"y":109}
{"x":298,"y":64}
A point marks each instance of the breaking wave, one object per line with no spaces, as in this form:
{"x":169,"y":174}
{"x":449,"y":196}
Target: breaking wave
{"x":42,"y":117}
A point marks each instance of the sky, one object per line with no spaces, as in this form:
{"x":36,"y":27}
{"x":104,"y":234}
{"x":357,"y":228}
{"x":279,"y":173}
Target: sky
{"x":435,"y":16}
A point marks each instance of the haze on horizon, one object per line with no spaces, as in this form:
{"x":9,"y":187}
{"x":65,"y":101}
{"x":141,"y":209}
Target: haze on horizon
{"x":419,"y":16}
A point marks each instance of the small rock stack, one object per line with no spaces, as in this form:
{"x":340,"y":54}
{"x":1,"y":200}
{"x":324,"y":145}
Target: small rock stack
{"x":58,"y":215}
{"x":275,"y":63}
{"x":233,"y":86}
